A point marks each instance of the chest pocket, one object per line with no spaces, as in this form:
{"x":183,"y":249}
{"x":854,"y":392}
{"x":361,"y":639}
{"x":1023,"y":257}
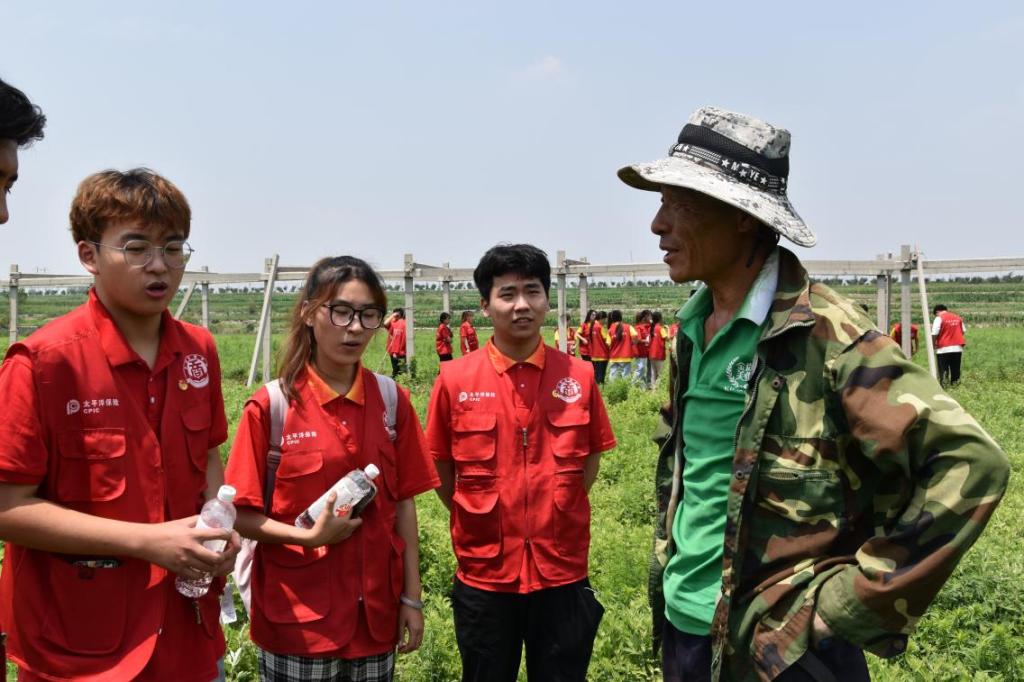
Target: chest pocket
{"x":92,"y":465}
{"x":474,"y":436}
{"x":197,"y":420}
{"x":301,"y":479}
{"x":570,"y":432}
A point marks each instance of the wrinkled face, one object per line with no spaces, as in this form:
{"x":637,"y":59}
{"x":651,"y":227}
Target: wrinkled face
{"x":137,"y":291}
{"x":698,"y":234}
{"x":8,"y":174}
{"x":516,"y":307}
{"x":341,"y":346}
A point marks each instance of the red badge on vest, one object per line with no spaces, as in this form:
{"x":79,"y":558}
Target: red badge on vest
{"x":197,"y":372}
{"x":568,"y":389}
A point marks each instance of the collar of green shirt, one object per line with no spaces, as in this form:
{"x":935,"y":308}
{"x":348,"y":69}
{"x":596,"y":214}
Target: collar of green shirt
{"x":756,"y":305}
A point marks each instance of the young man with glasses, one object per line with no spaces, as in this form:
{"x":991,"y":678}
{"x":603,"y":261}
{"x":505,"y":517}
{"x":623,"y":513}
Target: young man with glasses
{"x":110,"y":447}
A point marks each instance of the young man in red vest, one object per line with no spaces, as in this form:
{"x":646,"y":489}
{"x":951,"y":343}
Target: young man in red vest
{"x":109,"y":449}
{"x":516,"y":431}
{"x":21,"y":123}
{"x":948,"y":331}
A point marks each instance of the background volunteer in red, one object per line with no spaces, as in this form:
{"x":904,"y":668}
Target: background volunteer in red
{"x":583,"y":335}
{"x":113,"y":418}
{"x":467,"y":334}
{"x":948,"y":330}
{"x":659,"y":339}
{"x":395,"y":347}
{"x":600,"y":345}
{"x":332,"y":601}
{"x":443,"y":338}
{"x":516,"y":432}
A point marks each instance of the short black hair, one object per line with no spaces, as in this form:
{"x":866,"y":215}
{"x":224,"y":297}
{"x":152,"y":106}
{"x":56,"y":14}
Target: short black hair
{"x":524,"y":260}
{"x":939,"y":308}
{"x":444,"y":318}
{"x":400,"y":311}
{"x":20,"y":120}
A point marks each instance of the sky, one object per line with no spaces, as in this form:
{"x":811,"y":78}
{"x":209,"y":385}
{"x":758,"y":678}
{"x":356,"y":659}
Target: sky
{"x":442,"y":128}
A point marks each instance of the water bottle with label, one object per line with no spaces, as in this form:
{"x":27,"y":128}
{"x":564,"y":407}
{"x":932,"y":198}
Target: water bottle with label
{"x":355,"y":490}
{"x":217,"y":513}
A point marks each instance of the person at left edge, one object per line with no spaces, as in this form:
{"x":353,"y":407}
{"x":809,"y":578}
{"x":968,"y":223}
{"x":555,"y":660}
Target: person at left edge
{"x":333,"y":601}
{"x":113,"y":418}
{"x":21,"y":123}
{"x":443,"y":338}
{"x":516,"y":430}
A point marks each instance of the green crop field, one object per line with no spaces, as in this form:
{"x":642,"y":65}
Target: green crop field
{"x":974,"y":630}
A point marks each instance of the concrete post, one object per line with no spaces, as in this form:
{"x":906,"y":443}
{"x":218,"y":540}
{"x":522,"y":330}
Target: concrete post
{"x":410,"y":315}
{"x":12,"y":333}
{"x":563,"y":341}
{"x":905,"y":317}
{"x":205,"y":294}
{"x":446,"y":290}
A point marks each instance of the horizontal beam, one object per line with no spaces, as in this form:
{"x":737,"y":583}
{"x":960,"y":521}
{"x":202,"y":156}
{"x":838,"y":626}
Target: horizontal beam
{"x":839,"y":268}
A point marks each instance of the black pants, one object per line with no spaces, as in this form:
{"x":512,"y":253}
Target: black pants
{"x":557,"y":625}
{"x":600,"y":369}
{"x":949,"y":368}
{"x":687,"y":658}
{"x":397,"y":365}
{"x":444,"y":358}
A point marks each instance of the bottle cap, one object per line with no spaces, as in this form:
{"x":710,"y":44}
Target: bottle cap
{"x":371,"y":471}
{"x":226,"y":493}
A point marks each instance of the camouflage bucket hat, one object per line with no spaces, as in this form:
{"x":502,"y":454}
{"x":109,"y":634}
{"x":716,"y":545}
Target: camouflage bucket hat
{"x":734,"y":158}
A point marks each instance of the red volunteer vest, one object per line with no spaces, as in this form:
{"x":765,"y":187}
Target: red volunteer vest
{"x":951,"y":331}
{"x":467,"y":336}
{"x":104,"y":460}
{"x":657,"y":343}
{"x":643,"y":343}
{"x":443,"y":340}
{"x":583,"y":336}
{"x":598,"y":347}
{"x":622,"y":349}
{"x":396,"y":338}
{"x":516,"y":488}
{"x":299,"y":591}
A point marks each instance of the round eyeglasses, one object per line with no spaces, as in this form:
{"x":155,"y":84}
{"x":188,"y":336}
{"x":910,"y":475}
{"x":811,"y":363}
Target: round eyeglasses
{"x":139,"y":253}
{"x":342,"y":314}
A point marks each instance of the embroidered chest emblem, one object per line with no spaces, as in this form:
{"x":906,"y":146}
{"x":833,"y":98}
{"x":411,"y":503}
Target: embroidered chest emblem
{"x":568,"y":390}
{"x":196,"y":370}
{"x":737,"y":373}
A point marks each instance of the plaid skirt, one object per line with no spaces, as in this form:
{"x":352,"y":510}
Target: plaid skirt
{"x":287,"y":668}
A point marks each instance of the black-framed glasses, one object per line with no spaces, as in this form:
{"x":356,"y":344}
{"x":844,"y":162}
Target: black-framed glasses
{"x":342,"y":314}
{"x":139,"y":253}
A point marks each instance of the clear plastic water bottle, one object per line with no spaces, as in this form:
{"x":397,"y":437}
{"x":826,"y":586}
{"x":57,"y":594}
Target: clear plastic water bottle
{"x":217,"y":513}
{"x":355,"y":490}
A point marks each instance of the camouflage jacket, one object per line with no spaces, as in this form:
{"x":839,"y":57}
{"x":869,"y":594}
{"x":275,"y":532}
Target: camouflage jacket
{"x":857,"y":486}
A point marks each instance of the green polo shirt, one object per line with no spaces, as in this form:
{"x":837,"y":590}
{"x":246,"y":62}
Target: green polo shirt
{"x":713,"y":402}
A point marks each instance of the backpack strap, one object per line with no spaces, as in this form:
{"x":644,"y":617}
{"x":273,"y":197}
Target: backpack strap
{"x":278,"y":409}
{"x":389,"y":392}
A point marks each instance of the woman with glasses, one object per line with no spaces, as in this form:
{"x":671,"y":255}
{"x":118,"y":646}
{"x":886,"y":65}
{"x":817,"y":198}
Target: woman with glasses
{"x":333,"y":601}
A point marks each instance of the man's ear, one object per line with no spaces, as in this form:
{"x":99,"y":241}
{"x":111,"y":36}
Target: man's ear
{"x":88,"y":256}
{"x":483,"y":307}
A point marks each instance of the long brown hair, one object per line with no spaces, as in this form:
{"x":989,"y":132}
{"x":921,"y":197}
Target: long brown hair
{"x":324,"y":278}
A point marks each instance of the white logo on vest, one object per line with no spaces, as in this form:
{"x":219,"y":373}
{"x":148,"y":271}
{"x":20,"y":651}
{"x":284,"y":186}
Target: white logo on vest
{"x":74,"y":406}
{"x":568,"y":389}
{"x":197,"y":372}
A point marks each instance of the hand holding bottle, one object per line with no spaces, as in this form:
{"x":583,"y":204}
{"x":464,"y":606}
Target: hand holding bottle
{"x":330,"y":527}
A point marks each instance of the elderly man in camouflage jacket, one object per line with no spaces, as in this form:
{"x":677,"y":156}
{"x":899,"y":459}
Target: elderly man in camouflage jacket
{"x":815,"y":488}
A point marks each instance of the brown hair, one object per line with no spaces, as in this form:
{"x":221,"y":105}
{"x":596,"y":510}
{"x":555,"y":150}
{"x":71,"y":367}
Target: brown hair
{"x":137,"y":194}
{"x":323,"y":280}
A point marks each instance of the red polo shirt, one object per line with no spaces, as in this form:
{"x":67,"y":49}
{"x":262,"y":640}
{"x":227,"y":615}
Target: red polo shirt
{"x":518,"y":390}
{"x":294,"y":612}
{"x":112,"y":438}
